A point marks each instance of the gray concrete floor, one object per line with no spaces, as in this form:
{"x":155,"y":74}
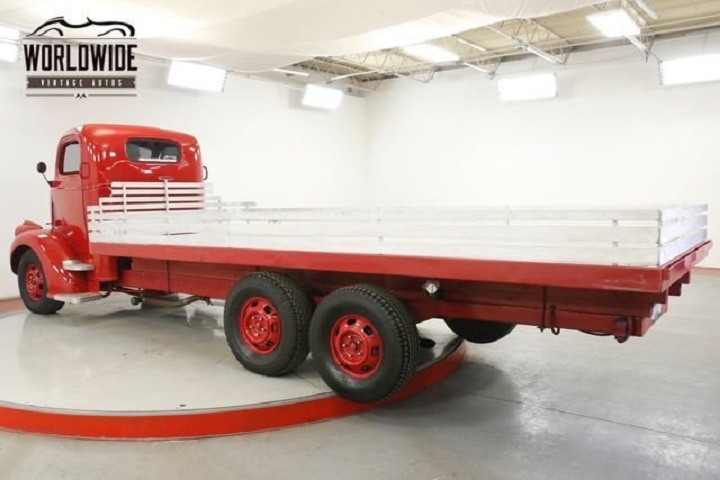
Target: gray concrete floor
{"x":530,"y":406}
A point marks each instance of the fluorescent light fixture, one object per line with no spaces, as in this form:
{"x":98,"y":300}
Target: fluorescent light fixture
{"x":7,"y":33}
{"x":431,"y":53}
{"x":646,"y":8}
{"x":322,"y":97}
{"x":355,"y":74}
{"x":196,"y":76}
{"x":542,"y":54}
{"x":703,"y":68}
{"x":614,"y":23}
{"x":291,"y":72}
{"x":477,"y":67}
{"x":9,"y":52}
{"x":528,"y":87}
{"x":470,"y":44}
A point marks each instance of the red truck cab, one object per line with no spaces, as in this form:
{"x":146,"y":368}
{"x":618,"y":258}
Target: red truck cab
{"x":88,"y":159}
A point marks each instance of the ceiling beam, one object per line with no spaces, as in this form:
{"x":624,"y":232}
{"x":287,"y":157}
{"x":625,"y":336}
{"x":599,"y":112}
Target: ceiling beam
{"x":527,"y":35}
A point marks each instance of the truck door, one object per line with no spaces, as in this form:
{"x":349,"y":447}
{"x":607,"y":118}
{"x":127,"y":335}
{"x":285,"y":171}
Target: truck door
{"x":68,"y":205}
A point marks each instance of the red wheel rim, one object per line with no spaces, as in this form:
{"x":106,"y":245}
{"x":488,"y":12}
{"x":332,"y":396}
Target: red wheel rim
{"x":259,"y":325}
{"x":356,"y":346}
{"x":34,"y":282}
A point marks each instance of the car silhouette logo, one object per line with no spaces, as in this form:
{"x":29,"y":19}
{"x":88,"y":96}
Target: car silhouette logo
{"x":59,"y":27}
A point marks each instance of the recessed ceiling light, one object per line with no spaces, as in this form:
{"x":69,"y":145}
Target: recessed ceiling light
{"x":528,"y":87}
{"x":9,"y":33}
{"x":196,"y":76}
{"x":431,"y":53}
{"x":703,"y":68}
{"x":9,"y":52}
{"x":614,"y":23}
{"x":322,"y":97}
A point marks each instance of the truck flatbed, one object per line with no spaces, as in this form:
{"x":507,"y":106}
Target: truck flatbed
{"x":618,"y":249}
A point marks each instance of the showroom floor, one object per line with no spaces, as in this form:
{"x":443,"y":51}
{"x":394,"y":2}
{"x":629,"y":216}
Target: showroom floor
{"x":531,"y":406}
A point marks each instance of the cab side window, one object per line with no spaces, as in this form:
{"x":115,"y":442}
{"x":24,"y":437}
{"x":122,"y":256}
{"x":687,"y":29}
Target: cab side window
{"x":70,"y":159}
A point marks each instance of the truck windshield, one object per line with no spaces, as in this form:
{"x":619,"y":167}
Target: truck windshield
{"x":152,"y":150}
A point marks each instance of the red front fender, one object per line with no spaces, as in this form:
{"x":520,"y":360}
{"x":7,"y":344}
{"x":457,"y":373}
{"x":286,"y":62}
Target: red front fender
{"x":51,"y":250}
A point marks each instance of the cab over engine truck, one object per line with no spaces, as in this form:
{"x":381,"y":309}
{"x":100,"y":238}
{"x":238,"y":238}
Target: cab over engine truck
{"x":131,"y":214}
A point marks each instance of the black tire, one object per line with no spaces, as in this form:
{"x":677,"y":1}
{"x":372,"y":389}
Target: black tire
{"x":479,"y":331}
{"x":34,"y":292}
{"x":292,"y":312}
{"x":389,"y":318}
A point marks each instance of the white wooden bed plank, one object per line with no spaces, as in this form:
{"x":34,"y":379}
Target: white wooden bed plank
{"x":129,"y":185}
{"x":643,"y":256}
{"x":496,"y":233}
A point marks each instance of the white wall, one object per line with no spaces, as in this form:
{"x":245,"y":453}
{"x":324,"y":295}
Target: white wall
{"x":257,"y":144}
{"x":613,"y":136}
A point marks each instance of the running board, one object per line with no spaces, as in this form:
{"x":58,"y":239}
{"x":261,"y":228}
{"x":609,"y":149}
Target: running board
{"x":77,"y":266}
{"x":75,"y":298}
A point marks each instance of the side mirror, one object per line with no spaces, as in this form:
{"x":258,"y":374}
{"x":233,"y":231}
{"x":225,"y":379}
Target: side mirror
{"x":42,"y":168}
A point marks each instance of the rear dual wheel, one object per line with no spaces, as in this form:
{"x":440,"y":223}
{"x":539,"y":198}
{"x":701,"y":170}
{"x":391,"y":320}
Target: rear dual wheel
{"x":364,"y":343}
{"x":363,"y":339}
{"x":266,"y":323}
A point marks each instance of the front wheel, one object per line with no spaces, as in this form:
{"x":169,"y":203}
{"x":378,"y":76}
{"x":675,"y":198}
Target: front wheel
{"x":364,"y":343}
{"x":33,"y":287}
{"x":479,"y":331}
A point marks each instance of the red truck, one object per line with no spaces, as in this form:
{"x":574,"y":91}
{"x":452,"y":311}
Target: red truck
{"x":131,"y":213}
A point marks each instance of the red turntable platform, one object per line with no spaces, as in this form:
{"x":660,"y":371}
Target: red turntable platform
{"x":109,"y":370}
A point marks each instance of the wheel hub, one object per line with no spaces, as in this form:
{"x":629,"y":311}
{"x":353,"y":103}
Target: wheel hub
{"x":356,"y":346}
{"x":259,"y":325}
{"x":34,"y":282}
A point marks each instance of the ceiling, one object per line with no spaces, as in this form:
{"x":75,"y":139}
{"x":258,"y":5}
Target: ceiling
{"x":357,"y":44}
{"x":552,"y":37}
